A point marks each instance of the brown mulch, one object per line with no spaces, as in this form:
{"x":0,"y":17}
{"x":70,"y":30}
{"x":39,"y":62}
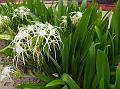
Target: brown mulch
{"x":3,"y":43}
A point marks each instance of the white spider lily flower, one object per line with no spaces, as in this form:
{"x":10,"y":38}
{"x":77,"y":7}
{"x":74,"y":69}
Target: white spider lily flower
{"x":4,"y":23}
{"x":6,"y":72}
{"x":1,"y":22}
{"x":4,"y":19}
{"x":63,"y":21}
{"x":35,"y":39}
{"x":30,"y":27}
{"x":21,"y":35}
{"x":18,"y":48}
{"x":76,"y":17}
{"x":21,"y":11}
{"x":52,"y":32}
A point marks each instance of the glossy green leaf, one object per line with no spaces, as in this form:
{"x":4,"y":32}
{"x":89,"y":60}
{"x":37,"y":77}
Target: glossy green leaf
{"x":99,"y":34}
{"x":6,"y":37}
{"x":117,"y":82}
{"x":65,"y":87}
{"x":56,"y":83}
{"x":60,"y":8}
{"x":65,"y":56}
{"x":43,"y":77}
{"x":71,"y":83}
{"x":7,"y":51}
{"x":102,"y":68}
{"x":89,"y":68}
{"x":57,"y":66}
{"x":101,"y":85}
{"x":83,"y":5}
{"x":31,"y":86}
{"x":116,"y":28}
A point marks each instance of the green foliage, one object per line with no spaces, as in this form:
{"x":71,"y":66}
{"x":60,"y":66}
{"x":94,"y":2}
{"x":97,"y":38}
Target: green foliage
{"x":117,"y":77}
{"x":102,"y":68}
{"x":65,"y":82}
{"x":89,"y":49}
{"x":115,"y":29}
{"x":89,"y":68}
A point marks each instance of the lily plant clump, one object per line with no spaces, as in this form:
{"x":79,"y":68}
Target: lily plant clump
{"x":36,"y":39}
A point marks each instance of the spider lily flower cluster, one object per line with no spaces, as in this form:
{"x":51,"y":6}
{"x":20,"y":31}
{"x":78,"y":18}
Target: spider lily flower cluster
{"x":4,"y":19}
{"x":74,"y":16}
{"x":36,"y":39}
{"x":6,"y":73}
{"x":63,"y":21}
{"x":21,"y":11}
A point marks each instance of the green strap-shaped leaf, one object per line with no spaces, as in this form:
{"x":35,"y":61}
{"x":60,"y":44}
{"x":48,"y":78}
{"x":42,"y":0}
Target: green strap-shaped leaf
{"x":89,"y":68}
{"x":98,"y":32}
{"x":116,"y":28}
{"x":43,"y":77}
{"x":6,"y":37}
{"x":83,"y":5}
{"x":65,"y":56}
{"x":117,"y":82}
{"x":7,"y":51}
{"x":60,"y":8}
{"x":65,"y":87}
{"x":45,"y":66}
{"x":101,"y":85}
{"x":71,"y":83}
{"x":55,"y":63}
{"x":111,"y":86}
{"x":95,"y":82}
{"x":102,"y":67}
{"x":80,"y":32}
{"x":32,"y":86}
{"x":56,"y":83}
{"x":34,"y":17}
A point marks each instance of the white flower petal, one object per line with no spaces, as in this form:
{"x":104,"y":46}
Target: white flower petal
{"x":6,"y":73}
{"x":21,"y":11}
{"x":19,"y":49}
